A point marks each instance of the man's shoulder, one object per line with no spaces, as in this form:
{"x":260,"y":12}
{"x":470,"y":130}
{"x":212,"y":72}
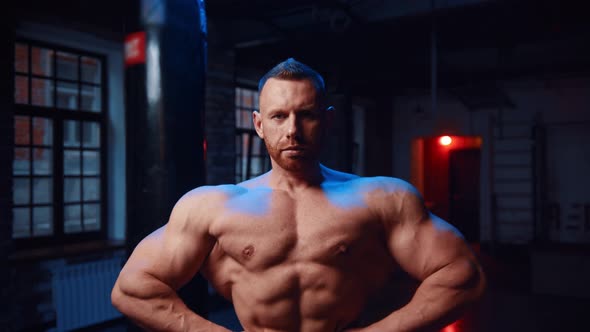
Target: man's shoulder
{"x":212,"y":194}
{"x":383,"y":184}
{"x":386,"y":184}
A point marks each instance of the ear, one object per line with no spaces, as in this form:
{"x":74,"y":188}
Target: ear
{"x":257,"y":119}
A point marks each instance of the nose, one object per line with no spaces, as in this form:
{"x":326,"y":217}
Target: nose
{"x":292,"y":127}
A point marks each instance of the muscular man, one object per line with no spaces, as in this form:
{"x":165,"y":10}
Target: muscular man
{"x":302,"y":247}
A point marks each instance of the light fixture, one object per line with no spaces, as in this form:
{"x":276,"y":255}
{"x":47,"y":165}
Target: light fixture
{"x":445,"y":140}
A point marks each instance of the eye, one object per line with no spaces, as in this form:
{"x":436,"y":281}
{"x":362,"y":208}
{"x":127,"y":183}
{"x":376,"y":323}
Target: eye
{"x":278,"y":116}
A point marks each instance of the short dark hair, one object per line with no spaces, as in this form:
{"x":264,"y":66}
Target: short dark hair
{"x":292,"y":69}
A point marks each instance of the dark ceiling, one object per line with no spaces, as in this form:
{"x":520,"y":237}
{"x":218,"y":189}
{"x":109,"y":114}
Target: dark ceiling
{"x":372,"y":46}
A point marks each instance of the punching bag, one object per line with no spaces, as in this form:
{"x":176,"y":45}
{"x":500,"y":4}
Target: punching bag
{"x":165,"y":56}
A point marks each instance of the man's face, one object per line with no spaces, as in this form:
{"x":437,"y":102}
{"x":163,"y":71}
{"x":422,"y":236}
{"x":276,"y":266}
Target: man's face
{"x":291,"y":122}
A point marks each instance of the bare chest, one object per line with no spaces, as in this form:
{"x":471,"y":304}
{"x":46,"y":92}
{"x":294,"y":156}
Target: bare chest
{"x":261,"y":232}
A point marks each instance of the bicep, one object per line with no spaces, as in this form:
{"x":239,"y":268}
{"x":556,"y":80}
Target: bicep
{"x":175,"y":252}
{"x":423,"y":243}
{"x":427,"y":246}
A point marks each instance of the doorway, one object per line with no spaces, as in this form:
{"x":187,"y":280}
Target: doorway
{"x":446,"y":170}
{"x":464,"y":191}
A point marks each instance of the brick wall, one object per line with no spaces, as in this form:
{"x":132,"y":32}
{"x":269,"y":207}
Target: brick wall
{"x":220,"y":116}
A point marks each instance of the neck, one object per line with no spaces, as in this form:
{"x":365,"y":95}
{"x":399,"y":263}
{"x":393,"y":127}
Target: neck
{"x":293,"y":181}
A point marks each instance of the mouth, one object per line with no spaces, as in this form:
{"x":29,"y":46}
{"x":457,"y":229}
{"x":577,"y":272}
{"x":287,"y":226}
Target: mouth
{"x":295,"y":152}
{"x":294,"y":148}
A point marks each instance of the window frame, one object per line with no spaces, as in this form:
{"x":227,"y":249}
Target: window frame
{"x":58,"y":116}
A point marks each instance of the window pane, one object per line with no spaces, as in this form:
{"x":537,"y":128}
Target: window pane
{"x":246,"y":119}
{"x":21,"y":222}
{"x":71,"y":133}
{"x":42,"y":92}
{"x":67,"y":65}
{"x":20,"y":191}
{"x":21,"y":58}
{"x":91,"y":98}
{"x":42,"y":61}
{"x":42,"y":161}
{"x":72,"y":190}
{"x":91,"y":134}
{"x":72,"y":162}
{"x":245,"y":139}
{"x":238,"y":144}
{"x":256,"y":146}
{"x":247,"y":99}
{"x":256,"y":105}
{"x":67,"y":95}
{"x":91,"y":70}
{"x":42,"y":190}
{"x":244,"y":170}
{"x":91,"y":217}
{"x":21,"y":130}
{"x":238,"y":166}
{"x":91,"y":163}
{"x":21,"y":89}
{"x":21,"y":164}
{"x":42,"y":220}
{"x":42,"y":131}
{"x":91,"y":189}
{"x":72,"y":218}
{"x":239,"y":118}
{"x":255,"y":166}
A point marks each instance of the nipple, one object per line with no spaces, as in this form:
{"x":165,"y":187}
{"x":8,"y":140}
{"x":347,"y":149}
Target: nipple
{"x":248,"y":252}
{"x":341,"y":248}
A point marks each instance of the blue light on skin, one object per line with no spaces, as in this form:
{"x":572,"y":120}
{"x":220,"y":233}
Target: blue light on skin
{"x":443,"y":226}
{"x":348,"y":191}
{"x":255,"y":201}
{"x":342,"y":190}
{"x":347,"y":195}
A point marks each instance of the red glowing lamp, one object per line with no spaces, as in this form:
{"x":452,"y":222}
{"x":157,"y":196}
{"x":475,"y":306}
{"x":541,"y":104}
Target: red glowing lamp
{"x":445,"y":140}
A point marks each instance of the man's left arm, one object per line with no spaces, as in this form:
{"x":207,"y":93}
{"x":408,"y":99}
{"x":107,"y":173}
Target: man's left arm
{"x":434,"y":252}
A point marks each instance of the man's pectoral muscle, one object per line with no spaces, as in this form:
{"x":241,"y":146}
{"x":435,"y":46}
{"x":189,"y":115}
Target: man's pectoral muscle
{"x":308,"y":266}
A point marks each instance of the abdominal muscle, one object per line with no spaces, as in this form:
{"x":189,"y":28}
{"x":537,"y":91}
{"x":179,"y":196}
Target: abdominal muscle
{"x":294,"y":297}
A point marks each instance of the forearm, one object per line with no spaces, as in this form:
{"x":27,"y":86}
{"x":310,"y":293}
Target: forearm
{"x":439,"y":300}
{"x":155,"y":306}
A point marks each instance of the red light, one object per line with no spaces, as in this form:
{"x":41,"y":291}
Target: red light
{"x":454,"y":327}
{"x":445,"y":140}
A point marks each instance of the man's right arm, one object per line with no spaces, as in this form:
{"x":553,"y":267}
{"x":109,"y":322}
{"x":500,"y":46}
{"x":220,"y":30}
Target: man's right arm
{"x":163,"y":262}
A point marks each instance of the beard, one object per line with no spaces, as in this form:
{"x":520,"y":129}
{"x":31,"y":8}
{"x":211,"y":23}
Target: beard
{"x":301,"y":162}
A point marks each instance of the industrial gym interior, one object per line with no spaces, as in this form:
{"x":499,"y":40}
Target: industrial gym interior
{"x":111,"y":110}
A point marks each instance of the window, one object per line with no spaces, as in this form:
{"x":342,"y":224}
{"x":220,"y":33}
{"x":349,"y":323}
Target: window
{"x":251,"y":157}
{"x":59,"y":151}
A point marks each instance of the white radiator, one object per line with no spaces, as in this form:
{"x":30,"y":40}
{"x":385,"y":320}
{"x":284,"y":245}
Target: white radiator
{"x":82,"y":293}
